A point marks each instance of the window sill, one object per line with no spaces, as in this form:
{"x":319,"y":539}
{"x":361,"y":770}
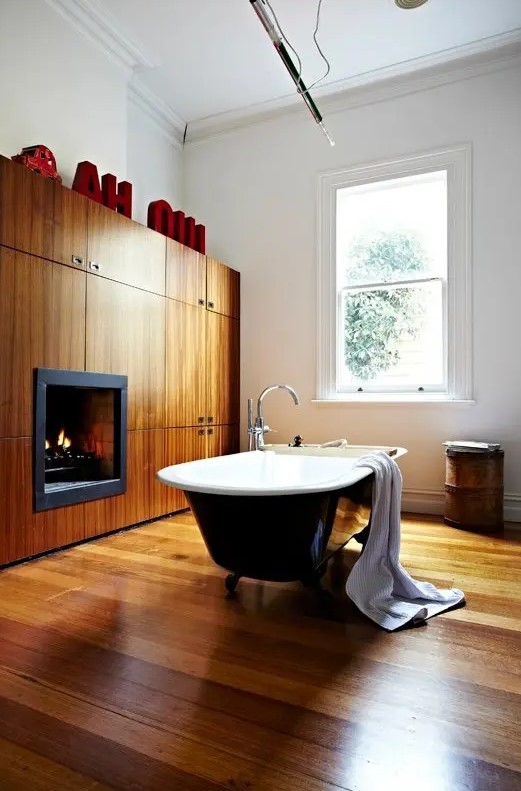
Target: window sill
{"x":391,"y":399}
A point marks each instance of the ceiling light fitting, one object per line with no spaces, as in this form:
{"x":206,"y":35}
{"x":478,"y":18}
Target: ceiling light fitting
{"x":409,"y":3}
{"x":260,"y":9}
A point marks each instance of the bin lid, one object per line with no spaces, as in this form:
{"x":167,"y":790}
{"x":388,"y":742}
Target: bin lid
{"x":472,"y":446}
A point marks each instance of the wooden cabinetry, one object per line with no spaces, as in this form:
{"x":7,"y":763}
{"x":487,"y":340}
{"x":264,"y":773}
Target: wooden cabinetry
{"x":123,"y":250}
{"x":185,"y":364}
{"x":42,"y":324}
{"x":126,"y":335}
{"x":202,"y":370}
{"x":22,"y":532}
{"x":145,"y":496}
{"x":222,"y":368}
{"x":185,"y":274}
{"x":40,"y":217}
{"x":222,"y":288}
{"x":84,"y":288}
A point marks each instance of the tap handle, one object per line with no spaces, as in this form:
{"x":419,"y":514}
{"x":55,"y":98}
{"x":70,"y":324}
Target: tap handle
{"x":250,"y":412}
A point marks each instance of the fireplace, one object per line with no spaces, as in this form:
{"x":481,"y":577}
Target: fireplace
{"x":80,"y":432}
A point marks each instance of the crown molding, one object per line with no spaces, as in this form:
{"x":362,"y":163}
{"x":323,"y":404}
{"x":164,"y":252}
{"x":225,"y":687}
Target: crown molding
{"x":459,"y":63}
{"x":102,"y":28}
{"x":160,"y":113}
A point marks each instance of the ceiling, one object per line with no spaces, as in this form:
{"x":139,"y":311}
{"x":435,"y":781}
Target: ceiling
{"x":210,"y":57}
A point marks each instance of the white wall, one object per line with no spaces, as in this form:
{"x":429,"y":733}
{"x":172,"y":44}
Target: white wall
{"x":154,"y":164}
{"x":256,"y":190}
{"x":59,"y":89}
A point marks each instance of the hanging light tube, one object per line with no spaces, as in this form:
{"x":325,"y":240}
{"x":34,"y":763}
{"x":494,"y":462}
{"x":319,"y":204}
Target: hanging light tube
{"x":258,"y":7}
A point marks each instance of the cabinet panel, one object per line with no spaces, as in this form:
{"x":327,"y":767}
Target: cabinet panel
{"x":182,"y":444}
{"x":40,"y":217}
{"x":126,"y":335}
{"x":222,"y":368}
{"x":22,"y":532}
{"x":42,"y":324}
{"x":185,"y":274}
{"x":222,"y":288}
{"x":124,"y":250}
{"x":185,"y":364}
{"x":145,"y":496}
{"x":222,"y":440}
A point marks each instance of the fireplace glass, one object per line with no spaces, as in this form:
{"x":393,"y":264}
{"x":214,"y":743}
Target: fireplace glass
{"x":80,"y":436}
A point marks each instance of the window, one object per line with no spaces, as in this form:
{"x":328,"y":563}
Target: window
{"x":394,"y":280}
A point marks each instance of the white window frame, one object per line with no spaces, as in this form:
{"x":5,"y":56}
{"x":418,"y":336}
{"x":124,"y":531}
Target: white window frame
{"x":456,"y":161}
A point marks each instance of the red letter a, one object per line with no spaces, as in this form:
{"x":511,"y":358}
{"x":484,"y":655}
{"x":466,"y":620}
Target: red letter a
{"x":86,"y":181}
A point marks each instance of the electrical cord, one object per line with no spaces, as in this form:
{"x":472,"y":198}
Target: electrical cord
{"x":292,"y":48}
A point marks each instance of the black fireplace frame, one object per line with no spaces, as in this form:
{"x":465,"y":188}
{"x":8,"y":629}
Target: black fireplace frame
{"x":94,"y":490}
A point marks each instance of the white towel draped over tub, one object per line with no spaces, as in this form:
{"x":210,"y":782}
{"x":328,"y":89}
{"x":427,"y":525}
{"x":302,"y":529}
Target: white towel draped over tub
{"x":378,"y":584}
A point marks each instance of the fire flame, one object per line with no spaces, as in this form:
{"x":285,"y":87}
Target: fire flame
{"x":63,"y":441}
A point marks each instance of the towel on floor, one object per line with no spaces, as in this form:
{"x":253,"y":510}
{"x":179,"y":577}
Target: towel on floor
{"x":378,"y":584}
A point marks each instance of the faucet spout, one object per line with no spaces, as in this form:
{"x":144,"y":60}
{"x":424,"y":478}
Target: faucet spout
{"x":275,"y":387}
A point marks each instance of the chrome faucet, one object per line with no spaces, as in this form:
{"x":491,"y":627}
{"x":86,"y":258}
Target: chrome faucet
{"x":257,"y":428}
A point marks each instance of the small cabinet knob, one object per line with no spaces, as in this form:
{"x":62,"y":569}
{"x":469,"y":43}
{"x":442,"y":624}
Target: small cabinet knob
{"x":200,"y":419}
{"x":200,"y":301}
{"x":95,"y":266}
{"x":201,"y":432}
{"x":210,"y":431}
{"x":211,"y":304}
{"x":77,"y":260}
{"x":210,"y":420}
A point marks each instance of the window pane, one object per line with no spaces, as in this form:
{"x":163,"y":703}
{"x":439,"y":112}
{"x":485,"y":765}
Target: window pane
{"x":392,"y":230}
{"x":393,"y":338}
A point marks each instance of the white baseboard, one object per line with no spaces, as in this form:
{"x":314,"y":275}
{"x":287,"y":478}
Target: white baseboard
{"x":427,"y":501}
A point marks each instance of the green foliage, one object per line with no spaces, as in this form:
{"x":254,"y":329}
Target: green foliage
{"x":374,"y":321}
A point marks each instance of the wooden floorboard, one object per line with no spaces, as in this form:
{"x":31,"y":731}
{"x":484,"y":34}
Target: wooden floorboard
{"x":122,"y":665}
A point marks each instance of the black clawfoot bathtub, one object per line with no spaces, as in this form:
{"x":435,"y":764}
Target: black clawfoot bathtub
{"x":269,"y":516}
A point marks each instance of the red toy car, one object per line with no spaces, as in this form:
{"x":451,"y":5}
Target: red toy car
{"x":40,"y":159}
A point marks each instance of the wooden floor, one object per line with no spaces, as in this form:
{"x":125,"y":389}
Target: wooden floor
{"x":123,"y":666}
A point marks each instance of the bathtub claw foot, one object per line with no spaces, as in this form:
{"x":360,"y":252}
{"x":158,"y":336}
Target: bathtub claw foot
{"x":231,"y":582}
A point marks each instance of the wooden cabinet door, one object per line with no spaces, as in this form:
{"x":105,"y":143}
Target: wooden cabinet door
{"x":185,"y":364}
{"x":145,"y":496}
{"x":42,"y":324}
{"x":222,"y":288}
{"x":222,"y":440}
{"x":40,"y":217}
{"x":181,"y":445}
{"x":126,"y":335}
{"x":222,"y":369}
{"x":185,"y":274}
{"x":124,"y":250}
{"x":22,"y":532}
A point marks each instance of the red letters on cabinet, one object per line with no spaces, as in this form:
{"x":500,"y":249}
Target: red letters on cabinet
{"x":118,"y":196}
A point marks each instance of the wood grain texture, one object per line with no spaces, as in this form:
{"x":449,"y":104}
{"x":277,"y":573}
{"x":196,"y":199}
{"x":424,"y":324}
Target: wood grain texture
{"x":22,"y":532}
{"x":181,"y":445}
{"x":474,"y":490}
{"x":222,"y":440}
{"x":39,"y":216}
{"x":145,"y":496}
{"x":122,"y":661}
{"x":124,"y":250}
{"x":222,"y":288}
{"x":185,"y":274}
{"x":222,"y":368}
{"x":42,"y":324}
{"x":185,"y":364}
{"x":126,"y":335}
